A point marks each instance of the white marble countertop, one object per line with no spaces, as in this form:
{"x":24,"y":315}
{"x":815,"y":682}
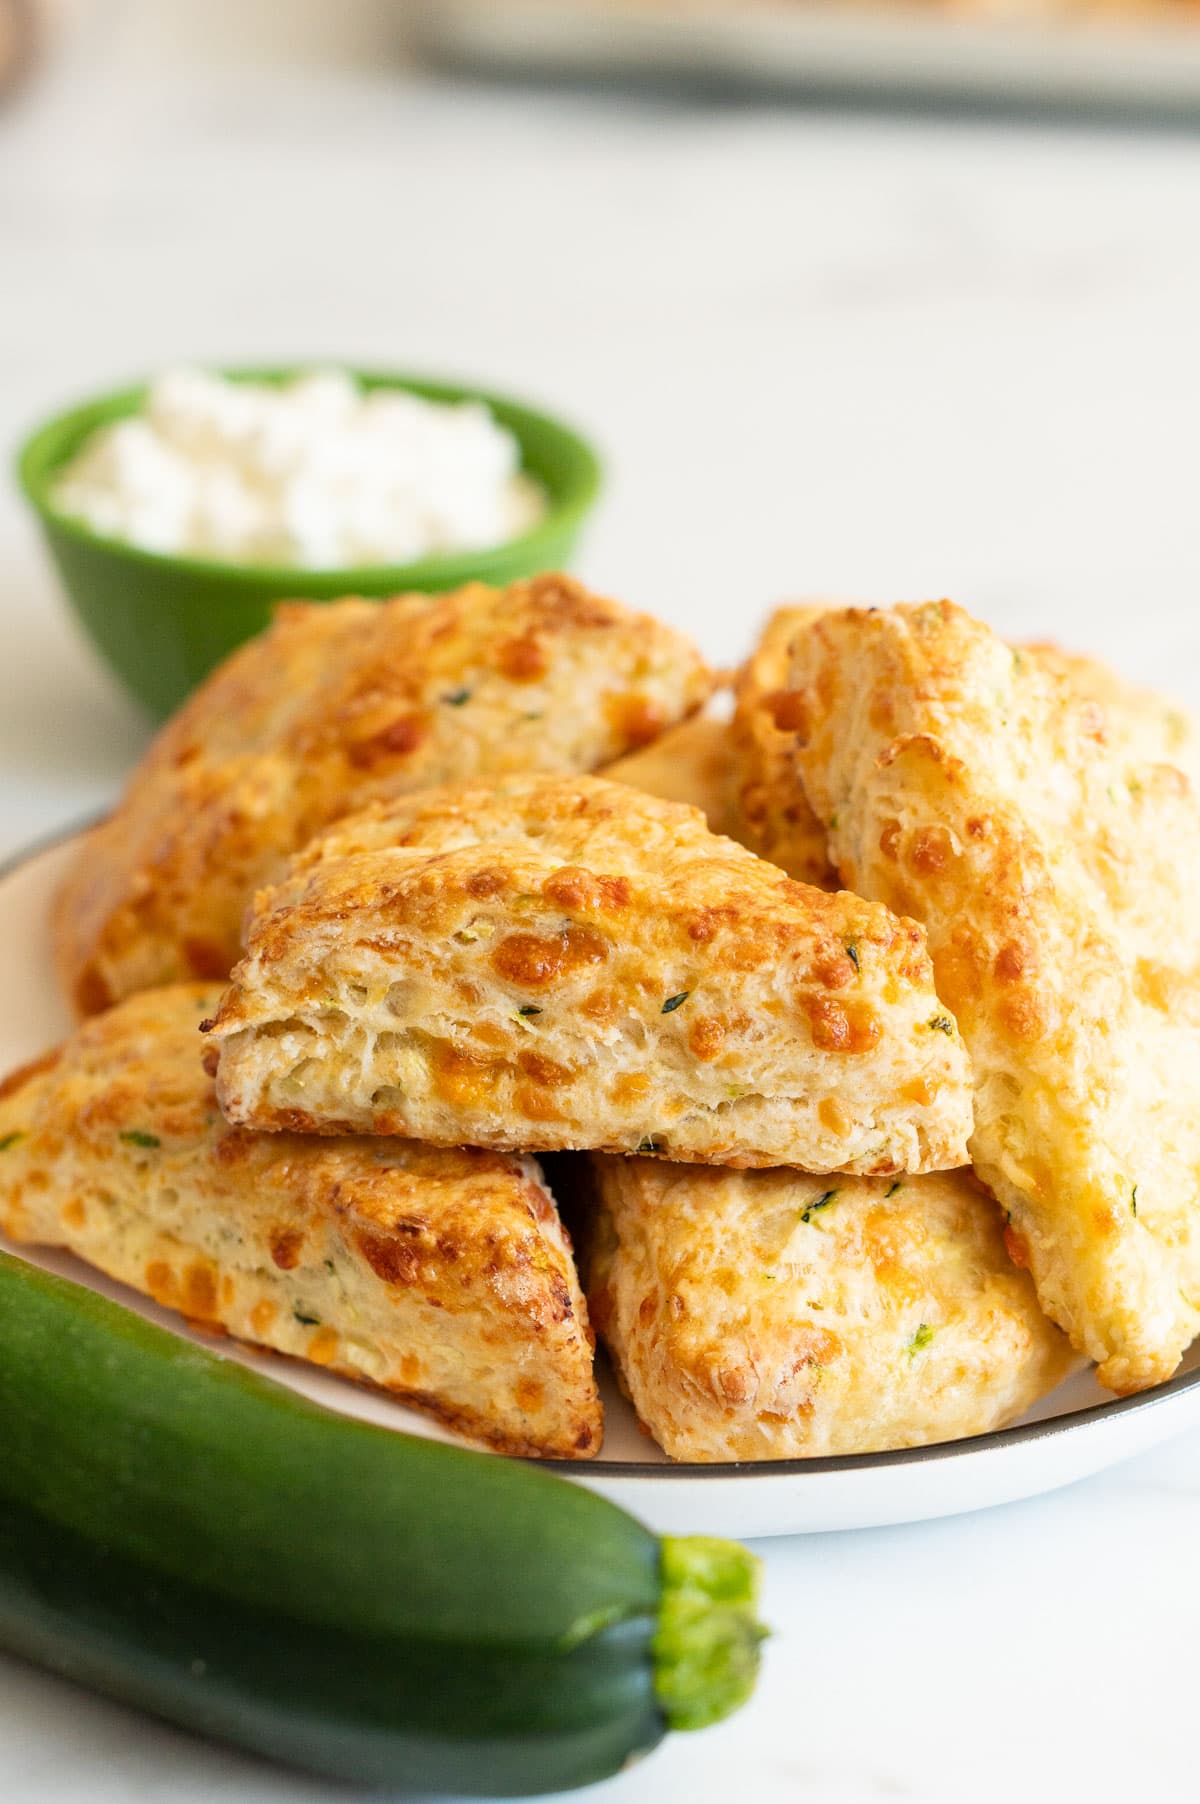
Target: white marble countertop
{"x":886,"y":358}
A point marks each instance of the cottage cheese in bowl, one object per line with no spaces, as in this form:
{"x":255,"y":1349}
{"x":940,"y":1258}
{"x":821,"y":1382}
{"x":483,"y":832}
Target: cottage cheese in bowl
{"x":316,"y":473}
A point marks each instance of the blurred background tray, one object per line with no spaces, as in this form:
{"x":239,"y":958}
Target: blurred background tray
{"x":1027,"y":52}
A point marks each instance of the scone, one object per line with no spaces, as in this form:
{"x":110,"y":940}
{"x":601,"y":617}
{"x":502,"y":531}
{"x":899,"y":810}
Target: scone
{"x":773,"y":813}
{"x":980,"y":790}
{"x":1147,"y":727}
{"x":693,"y":762}
{"x":330,"y":707}
{"x":443,"y":1276}
{"x":773,"y":1315}
{"x":562,"y":962}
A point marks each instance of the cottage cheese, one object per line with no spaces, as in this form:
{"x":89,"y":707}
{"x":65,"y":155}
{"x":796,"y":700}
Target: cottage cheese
{"x":317,"y":474}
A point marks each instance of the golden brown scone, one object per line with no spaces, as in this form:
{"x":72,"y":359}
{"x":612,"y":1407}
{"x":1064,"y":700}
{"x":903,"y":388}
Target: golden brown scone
{"x":330,"y":707}
{"x":1150,"y":728}
{"x":772,"y":814}
{"x":443,"y":1276}
{"x":776,"y":819}
{"x":560,"y":962}
{"x":773,"y":1315}
{"x":694,"y":763}
{"x":973,"y":787}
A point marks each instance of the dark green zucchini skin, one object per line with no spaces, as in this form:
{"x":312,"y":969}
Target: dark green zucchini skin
{"x":188,"y":1537}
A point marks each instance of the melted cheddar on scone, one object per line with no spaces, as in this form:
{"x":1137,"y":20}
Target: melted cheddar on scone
{"x":441,"y":1275}
{"x":334,"y":705}
{"x":563,"y":962}
{"x":1003,"y":797}
{"x":773,"y":1315}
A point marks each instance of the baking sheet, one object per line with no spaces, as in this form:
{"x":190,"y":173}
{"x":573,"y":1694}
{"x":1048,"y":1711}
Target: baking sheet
{"x":1142,"y":57}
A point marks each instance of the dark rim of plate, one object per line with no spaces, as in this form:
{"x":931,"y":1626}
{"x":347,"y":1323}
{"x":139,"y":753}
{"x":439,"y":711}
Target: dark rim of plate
{"x":1022,"y":1435}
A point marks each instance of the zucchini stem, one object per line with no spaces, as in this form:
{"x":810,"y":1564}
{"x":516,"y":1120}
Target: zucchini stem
{"x":706,"y":1646}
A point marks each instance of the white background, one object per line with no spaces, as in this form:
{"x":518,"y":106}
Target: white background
{"x":882,"y":357}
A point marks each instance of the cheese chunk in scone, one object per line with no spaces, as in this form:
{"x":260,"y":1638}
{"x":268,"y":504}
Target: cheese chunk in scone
{"x":328,"y":708}
{"x":562,"y":962}
{"x":775,"y":818}
{"x":1001,"y":798}
{"x":694,"y":762}
{"x":773,"y":1315}
{"x":443,"y":1276}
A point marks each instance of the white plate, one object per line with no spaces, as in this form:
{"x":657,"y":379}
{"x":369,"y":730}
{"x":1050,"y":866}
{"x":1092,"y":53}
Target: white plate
{"x":1071,"y":1434}
{"x":919,"y":47}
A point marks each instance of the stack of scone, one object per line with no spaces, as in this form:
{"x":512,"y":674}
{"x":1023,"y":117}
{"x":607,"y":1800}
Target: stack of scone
{"x":367,"y":936}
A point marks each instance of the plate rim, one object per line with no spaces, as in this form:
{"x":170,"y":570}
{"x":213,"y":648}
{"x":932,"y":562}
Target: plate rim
{"x":1021,"y":1434}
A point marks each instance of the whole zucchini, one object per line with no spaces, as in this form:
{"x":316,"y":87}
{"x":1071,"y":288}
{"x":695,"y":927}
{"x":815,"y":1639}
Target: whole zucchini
{"x":185,"y":1535}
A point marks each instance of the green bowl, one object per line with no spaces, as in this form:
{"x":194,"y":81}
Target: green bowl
{"x":163,"y":622}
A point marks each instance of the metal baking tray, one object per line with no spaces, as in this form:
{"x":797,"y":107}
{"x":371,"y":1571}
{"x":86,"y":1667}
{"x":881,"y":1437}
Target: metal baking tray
{"x":1140,"y":56}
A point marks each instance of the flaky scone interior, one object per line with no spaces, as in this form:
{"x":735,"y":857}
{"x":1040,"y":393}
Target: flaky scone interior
{"x":563,"y":962}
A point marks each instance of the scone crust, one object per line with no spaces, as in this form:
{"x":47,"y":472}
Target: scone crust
{"x":1138,"y":722}
{"x":985,"y":791}
{"x":694,"y":762}
{"x":332,"y":706}
{"x":773,"y":814}
{"x":440,"y":1275}
{"x":563,"y":962}
{"x":774,"y":1315}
